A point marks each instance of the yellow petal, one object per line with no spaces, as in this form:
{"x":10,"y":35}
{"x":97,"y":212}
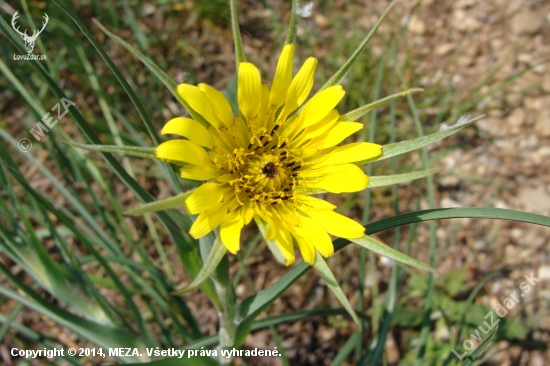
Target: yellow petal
{"x":338,"y":133}
{"x":320,"y":105}
{"x":300,"y":87}
{"x":208,"y":220}
{"x":320,"y":128}
{"x":204,"y":197}
{"x":338,"y":225}
{"x":218,"y":102}
{"x":240,"y":131}
{"x":284,"y":242}
{"x":317,"y":236}
{"x":350,"y":179}
{"x":230,"y":231}
{"x":283,"y":77}
{"x":196,"y":172}
{"x":315,"y":203}
{"x":249,"y":90}
{"x":198,"y":101}
{"x":190,"y":129}
{"x":247,"y":213}
{"x":223,"y":140}
{"x":182,"y":151}
{"x":264,"y":104}
{"x":350,"y":153}
{"x":306,"y":248}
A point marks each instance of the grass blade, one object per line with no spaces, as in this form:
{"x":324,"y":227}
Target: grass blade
{"x":382,"y":249}
{"x":214,"y":258}
{"x":361,"y":111}
{"x":139,"y":151}
{"x":340,"y":74}
{"x":321,"y":266}
{"x":388,"y":180}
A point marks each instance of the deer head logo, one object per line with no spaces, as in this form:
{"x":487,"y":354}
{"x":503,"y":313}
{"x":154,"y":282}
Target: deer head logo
{"x":29,"y":40}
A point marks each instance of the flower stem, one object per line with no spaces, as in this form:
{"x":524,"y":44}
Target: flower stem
{"x":226,"y":310}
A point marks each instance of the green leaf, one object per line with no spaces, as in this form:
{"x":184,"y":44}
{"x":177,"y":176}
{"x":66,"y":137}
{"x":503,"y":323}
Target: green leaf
{"x":340,"y":74}
{"x":452,"y":213}
{"x":214,"y":258}
{"x":321,"y":266}
{"x":377,"y":247}
{"x":142,"y":152}
{"x":346,"y":349}
{"x":361,"y":111}
{"x":157,"y":71}
{"x":469,"y":361}
{"x":388,"y":180}
{"x":399,"y":148}
{"x":160,"y":205}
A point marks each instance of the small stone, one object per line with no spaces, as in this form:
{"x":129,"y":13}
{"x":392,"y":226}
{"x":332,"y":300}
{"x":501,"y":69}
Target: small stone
{"x":464,"y":22}
{"x":535,"y":200}
{"x":526,"y":23}
{"x":543,"y":273}
{"x":517,"y":118}
{"x":448,"y":203}
{"x":492,"y":126}
{"x":448,"y":181}
{"x":416,"y":25}
{"x":321,"y":20}
{"x":444,"y":49}
{"x":542,"y":123}
{"x":546,"y":83}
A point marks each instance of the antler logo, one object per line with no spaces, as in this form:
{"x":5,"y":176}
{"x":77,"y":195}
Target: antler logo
{"x":29,"y":40}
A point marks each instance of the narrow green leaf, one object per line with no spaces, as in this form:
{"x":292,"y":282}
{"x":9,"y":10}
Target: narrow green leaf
{"x":160,"y":205}
{"x":399,"y":148}
{"x":346,"y":349}
{"x":377,"y":247}
{"x":388,"y":180}
{"x":142,"y":152}
{"x":361,"y":111}
{"x":214,"y":258}
{"x":157,"y":71}
{"x":340,"y":74}
{"x":469,"y":361}
{"x":321,"y":266}
{"x":140,"y":36}
{"x":239,"y":51}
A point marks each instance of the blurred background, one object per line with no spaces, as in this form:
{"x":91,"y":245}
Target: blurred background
{"x":471,"y":56}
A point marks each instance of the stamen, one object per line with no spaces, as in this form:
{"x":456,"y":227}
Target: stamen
{"x":296,"y":168}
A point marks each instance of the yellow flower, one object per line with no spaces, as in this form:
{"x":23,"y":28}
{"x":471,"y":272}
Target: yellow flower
{"x":263,"y":163}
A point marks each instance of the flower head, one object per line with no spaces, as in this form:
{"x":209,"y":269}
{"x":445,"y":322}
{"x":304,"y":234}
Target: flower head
{"x":263,"y":163}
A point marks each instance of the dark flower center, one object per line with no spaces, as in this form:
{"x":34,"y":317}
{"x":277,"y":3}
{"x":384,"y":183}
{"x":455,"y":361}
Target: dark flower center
{"x":270,"y":170}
